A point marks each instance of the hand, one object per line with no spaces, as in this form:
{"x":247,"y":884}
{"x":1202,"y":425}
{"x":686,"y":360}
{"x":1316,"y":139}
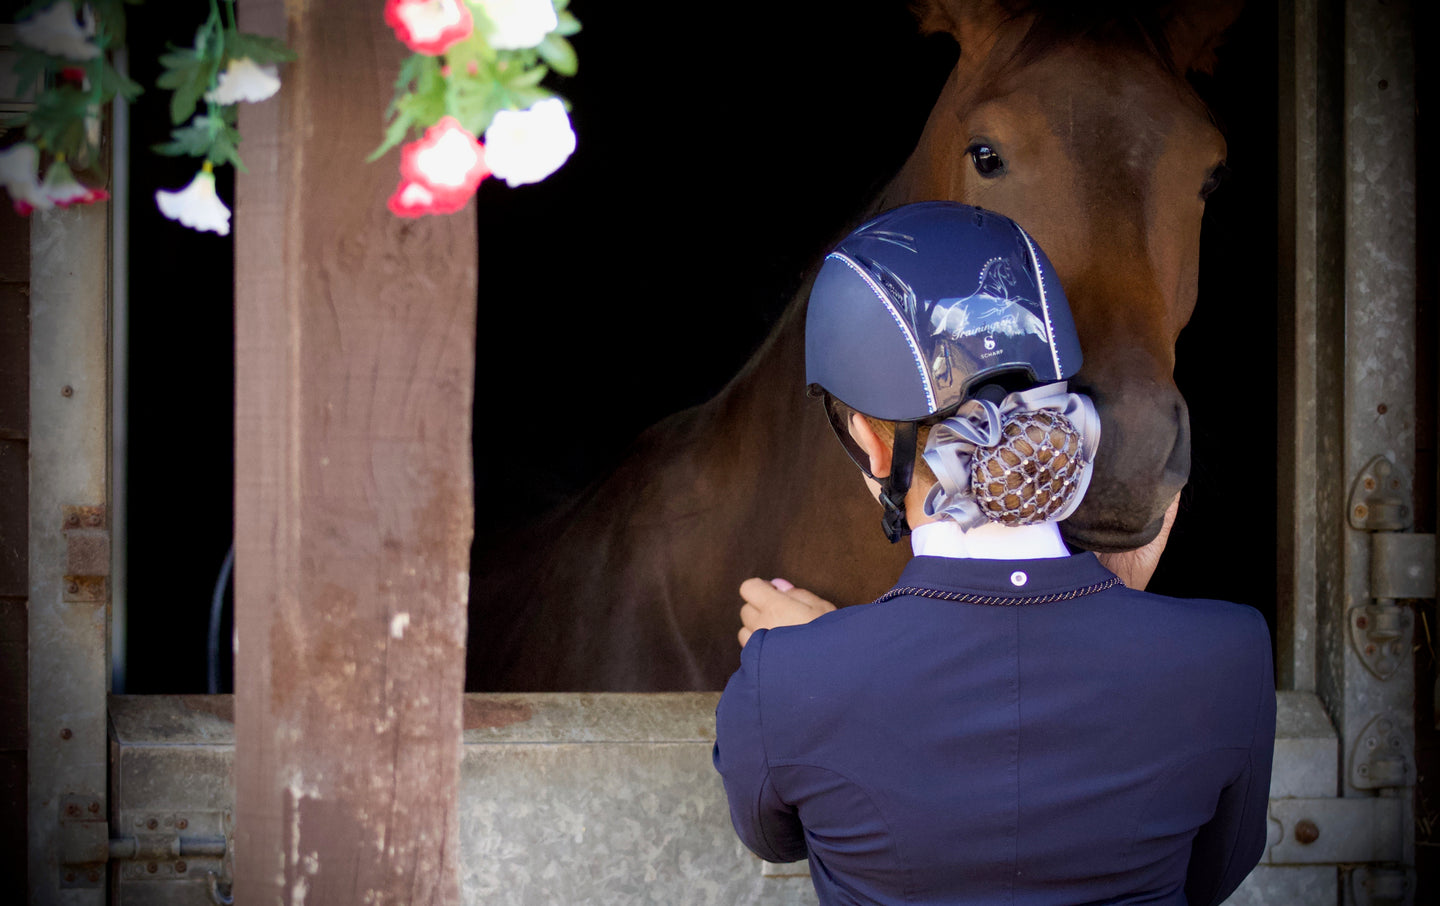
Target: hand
{"x":1136,"y":567}
{"x":777,"y":603}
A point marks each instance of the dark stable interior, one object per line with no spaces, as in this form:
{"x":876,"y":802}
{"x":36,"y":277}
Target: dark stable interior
{"x":716,"y":160}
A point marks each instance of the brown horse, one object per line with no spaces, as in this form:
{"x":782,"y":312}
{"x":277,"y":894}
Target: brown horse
{"x":1082,"y":129}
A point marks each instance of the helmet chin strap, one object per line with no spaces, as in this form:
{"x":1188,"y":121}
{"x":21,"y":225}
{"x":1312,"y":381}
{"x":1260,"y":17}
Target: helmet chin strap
{"x":896,"y":485}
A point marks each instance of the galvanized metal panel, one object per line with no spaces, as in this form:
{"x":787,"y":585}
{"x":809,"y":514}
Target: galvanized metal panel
{"x":1379,"y":380}
{"x":1304,"y":885}
{"x":1307,"y":750}
{"x":68,"y":465}
{"x":585,"y":798}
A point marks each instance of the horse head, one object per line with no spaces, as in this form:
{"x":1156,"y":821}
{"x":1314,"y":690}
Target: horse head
{"x":1082,"y":126}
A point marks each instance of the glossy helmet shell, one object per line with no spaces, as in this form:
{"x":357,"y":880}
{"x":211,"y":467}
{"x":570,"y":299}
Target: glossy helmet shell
{"x":925,"y":303}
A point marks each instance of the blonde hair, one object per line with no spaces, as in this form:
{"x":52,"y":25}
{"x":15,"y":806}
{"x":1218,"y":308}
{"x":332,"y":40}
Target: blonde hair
{"x":923,"y":477}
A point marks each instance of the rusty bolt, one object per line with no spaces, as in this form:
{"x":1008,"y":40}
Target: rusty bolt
{"x":152,"y":824}
{"x":1384,"y":83}
{"x":92,"y":875}
{"x":152,"y":867}
{"x":67,"y":390}
{"x":72,"y":519}
{"x":181,"y":866}
{"x":1306,"y":832}
{"x":94,"y":808}
{"x":1369,"y":484}
{"x":182,"y":823}
{"x":93,"y":519}
{"x":72,"y":587}
{"x":1361,"y":511}
{"x":65,"y":733}
{"x":1369,"y":650}
{"x":72,"y":811}
{"x":1362,"y":621}
{"x":1382,"y":408}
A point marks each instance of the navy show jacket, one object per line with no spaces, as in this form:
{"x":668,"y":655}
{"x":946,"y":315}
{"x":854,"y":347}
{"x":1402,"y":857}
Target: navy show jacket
{"x":1095,"y":745}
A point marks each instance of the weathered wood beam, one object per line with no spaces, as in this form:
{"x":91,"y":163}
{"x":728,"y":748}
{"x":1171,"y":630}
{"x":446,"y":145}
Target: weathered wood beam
{"x":354,"y":371}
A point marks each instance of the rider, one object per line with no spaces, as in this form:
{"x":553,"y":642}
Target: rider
{"x":1010,"y":723}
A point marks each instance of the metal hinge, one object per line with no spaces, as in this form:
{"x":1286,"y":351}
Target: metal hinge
{"x":87,"y":554}
{"x":1402,"y":566}
{"x":146,"y":846}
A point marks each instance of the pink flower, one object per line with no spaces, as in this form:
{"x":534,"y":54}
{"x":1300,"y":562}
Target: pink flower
{"x":64,"y":189}
{"x":411,"y":199}
{"x":20,"y":176}
{"x":429,"y":26}
{"x":448,"y":163}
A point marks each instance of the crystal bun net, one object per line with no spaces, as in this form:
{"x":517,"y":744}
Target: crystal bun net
{"x":1025,"y":461}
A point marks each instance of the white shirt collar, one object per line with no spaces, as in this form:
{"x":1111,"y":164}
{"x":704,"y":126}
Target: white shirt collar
{"x":991,"y":541}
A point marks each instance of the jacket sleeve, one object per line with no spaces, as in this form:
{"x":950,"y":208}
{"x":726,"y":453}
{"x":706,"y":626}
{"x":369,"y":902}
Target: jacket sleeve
{"x":764,"y":821}
{"x":1229,"y":846}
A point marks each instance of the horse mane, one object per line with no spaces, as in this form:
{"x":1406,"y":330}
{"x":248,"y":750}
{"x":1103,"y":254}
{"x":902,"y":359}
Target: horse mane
{"x":1121,"y":24}
{"x":1150,"y":27}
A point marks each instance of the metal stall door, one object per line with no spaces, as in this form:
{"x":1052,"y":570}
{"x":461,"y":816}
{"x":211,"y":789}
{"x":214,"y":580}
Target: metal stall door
{"x":1342,"y":828}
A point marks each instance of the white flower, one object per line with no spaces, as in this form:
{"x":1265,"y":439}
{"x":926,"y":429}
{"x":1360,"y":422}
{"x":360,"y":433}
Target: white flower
{"x":517,"y":24}
{"x":55,"y":30}
{"x":244,"y":80}
{"x":197,"y":206}
{"x":525,"y":146}
{"x":20,"y":176}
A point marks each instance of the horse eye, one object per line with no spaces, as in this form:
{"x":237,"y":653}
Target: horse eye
{"x":987,"y":163}
{"x":1213,"y":181}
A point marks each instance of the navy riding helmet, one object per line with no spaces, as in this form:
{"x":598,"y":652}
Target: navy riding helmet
{"x":924,"y":307}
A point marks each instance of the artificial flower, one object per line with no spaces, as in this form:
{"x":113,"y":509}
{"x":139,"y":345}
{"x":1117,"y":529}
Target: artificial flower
{"x":525,"y":146}
{"x":197,"y":206}
{"x":64,"y":189}
{"x":448,"y":162}
{"x":429,"y":26}
{"x":412,"y":199}
{"x":55,"y":30}
{"x":517,"y":24}
{"x":20,"y":176}
{"x":244,"y":80}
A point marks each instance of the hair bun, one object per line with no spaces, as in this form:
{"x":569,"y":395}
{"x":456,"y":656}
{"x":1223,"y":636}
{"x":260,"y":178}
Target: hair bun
{"x":1030,"y":475}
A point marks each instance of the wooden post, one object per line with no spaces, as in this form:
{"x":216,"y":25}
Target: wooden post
{"x":354,"y":372}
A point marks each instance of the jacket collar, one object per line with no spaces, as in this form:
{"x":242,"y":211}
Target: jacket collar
{"x":1005,"y":577}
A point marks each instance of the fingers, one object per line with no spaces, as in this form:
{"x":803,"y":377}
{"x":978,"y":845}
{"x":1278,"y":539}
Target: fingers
{"x":812,"y":600}
{"x":744,"y":635}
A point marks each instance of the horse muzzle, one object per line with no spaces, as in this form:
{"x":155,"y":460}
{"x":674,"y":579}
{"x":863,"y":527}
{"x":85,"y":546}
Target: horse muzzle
{"x":1142,"y":463}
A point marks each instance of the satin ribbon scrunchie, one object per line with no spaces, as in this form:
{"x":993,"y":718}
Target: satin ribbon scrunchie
{"x":979,"y":423}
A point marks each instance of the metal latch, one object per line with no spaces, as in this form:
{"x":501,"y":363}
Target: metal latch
{"x":147,"y":846}
{"x":1336,"y":831}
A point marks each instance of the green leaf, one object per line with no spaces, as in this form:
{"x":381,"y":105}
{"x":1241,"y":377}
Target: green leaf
{"x":193,"y":140}
{"x":556,"y":51}
{"x":57,"y":121}
{"x":113,"y":82}
{"x":188,"y":74}
{"x":259,"y":48}
{"x":568,"y":26}
{"x":394,"y":135}
{"x":518,"y":79}
{"x":31,"y":68}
